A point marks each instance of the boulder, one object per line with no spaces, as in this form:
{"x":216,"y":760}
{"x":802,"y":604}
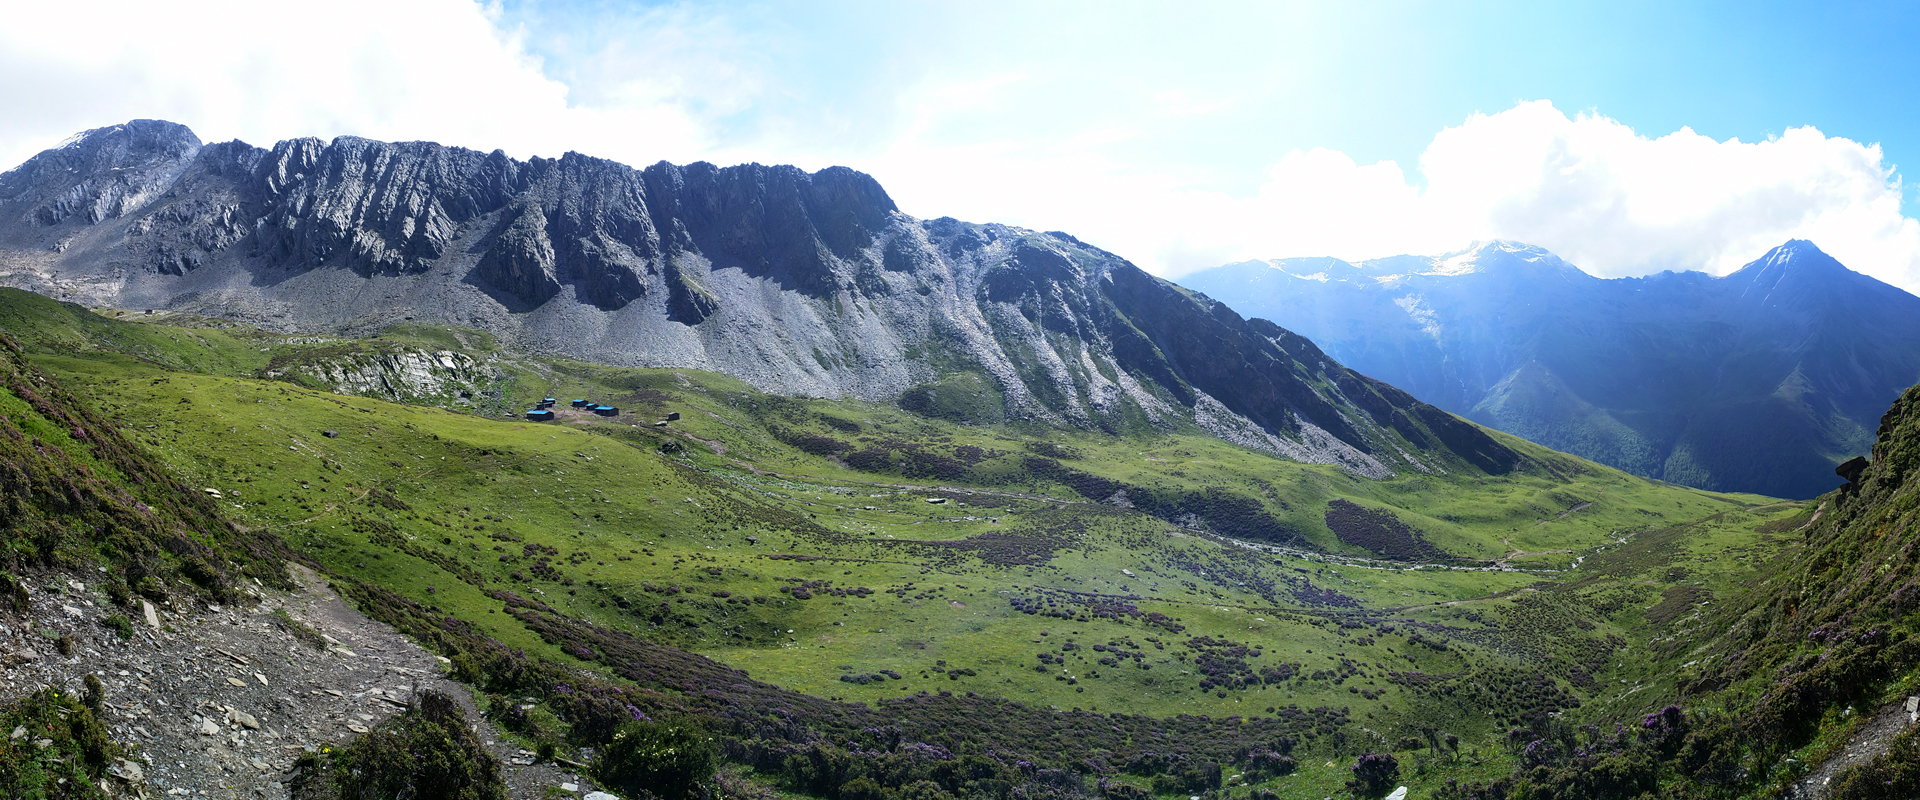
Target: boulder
{"x":1851,"y":469}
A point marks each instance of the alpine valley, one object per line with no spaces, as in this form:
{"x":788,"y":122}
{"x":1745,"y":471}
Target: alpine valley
{"x":1760,"y":381}
{"x":357,"y":469}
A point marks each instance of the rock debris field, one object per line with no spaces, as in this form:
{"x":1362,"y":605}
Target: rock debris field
{"x":218,"y":701}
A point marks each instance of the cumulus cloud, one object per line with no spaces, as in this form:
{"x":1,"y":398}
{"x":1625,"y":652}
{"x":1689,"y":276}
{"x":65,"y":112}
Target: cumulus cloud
{"x":1603,"y":196}
{"x":441,"y":70}
{"x":1621,"y":203}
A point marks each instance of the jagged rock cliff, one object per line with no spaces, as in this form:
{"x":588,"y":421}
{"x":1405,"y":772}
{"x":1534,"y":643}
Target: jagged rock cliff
{"x":804,"y":283}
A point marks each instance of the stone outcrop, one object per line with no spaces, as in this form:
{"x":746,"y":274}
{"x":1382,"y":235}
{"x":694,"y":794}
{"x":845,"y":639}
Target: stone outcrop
{"x":798,"y":282}
{"x":411,"y":375}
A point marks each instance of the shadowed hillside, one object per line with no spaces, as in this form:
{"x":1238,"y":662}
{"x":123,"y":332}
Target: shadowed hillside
{"x":1759,"y":381}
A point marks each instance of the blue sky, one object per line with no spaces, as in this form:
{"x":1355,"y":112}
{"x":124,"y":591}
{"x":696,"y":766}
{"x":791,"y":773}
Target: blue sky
{"x":1178,"y":135}
{"x":1374,"y":80}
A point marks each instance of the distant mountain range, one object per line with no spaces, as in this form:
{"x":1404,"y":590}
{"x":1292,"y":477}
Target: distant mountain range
{"x":797,"y":282}
{"x":1759,"y":381}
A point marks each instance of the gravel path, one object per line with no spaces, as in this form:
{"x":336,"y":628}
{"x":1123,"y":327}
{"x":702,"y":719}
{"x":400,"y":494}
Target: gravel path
{"x":219,"y":701}
{"x":1872,"y":740}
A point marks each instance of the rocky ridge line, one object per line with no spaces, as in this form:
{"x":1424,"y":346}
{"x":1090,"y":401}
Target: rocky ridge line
{"x":799,"y":283}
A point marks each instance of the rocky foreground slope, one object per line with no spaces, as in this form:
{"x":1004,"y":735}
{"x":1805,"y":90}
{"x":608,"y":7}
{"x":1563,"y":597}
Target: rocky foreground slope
{"x":220,"y":701}
{"x":802,"y":283}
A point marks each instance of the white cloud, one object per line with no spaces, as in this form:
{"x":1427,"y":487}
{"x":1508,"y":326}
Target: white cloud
{"x":440,"y":70}
{"x":1587,"y":187}
{"x":1100,"y":150}
{"x":1619,"y":203}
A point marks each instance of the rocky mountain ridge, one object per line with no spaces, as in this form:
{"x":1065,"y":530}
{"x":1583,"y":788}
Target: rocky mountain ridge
{"x":1758,"y":381}
{"x":801,"y":283}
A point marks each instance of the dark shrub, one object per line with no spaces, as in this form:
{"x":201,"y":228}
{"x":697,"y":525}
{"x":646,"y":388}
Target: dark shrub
{"x":925,"y":790}
{"x":426,"y":753}
{"x":593,"y":714}
{"x":1264,"y":764}
{"x":862,"y":789}
{"x":73,"y":762}
{"x":1115,"y":790}
{"x":1664,"y":729}
{"x":1188,"y":778}
{"x":670,"y":758}
{"x":1374,"y":774}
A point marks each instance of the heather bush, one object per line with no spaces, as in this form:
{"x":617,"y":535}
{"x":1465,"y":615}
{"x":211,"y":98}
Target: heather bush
{"x":1374,"y":774}
{"x":73,"y":760}
{"x":862,"y":789}
{"x":671,"y":758}
{"x":1264,"y":764}
{"x":424,"y":753}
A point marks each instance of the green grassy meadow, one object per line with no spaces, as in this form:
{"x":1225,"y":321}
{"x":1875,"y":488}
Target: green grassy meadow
{"x":858,"y":551}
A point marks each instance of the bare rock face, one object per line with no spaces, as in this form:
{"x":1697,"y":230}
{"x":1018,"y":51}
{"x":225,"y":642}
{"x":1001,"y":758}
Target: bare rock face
{"x":101,"y":174}
{"x":411,"y":375}
{"x":798,"y":282}
{"x":521,"y":260}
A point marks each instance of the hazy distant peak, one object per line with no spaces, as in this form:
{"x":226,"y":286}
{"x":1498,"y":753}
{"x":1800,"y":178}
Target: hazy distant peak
{"x":1312,"y":268}
{"x":1796,"y":256}
{"x":1479,"y":257}
{"x":1498,"y":253}
{"x":1795,"y":253}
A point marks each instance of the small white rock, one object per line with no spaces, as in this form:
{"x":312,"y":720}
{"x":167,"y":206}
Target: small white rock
{"x":569,"y":788}
{"x":1398,"y":794}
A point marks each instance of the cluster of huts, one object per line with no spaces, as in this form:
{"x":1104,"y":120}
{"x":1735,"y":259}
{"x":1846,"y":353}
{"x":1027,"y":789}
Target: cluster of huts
{"x":543,"y":411}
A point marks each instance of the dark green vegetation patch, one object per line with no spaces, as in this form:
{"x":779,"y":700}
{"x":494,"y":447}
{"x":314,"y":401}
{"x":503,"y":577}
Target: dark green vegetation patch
{"x":426,"y":752}
{"x":56,"y":748}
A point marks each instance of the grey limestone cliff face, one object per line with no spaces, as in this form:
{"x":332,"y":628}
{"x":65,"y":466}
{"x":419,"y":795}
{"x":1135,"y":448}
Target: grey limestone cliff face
{"x":800,"y":283}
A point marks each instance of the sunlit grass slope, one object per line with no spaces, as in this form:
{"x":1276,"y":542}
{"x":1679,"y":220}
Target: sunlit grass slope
{"x":858,"y":551}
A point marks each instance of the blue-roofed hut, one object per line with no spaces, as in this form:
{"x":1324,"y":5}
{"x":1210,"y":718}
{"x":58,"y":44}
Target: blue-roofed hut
{"x":606,"y":411}
{"x":540,"y":415}
{"x":579,"y":404}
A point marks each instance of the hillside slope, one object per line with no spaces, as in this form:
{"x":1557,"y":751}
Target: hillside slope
{"x":1796,"y":683}
{"x":94,"y":533}
{"x":806,"y":573}
{"x":1759,"y":381}
{"x":75,"y":493}
{"x":799,"y":283}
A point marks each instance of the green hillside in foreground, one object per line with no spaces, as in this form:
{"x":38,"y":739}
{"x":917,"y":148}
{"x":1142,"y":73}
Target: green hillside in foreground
{"x":1165,"y":612}
{"x":77,"y":497}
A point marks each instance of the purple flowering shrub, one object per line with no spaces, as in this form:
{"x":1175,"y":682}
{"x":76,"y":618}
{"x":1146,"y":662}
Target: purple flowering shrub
{"x":1374,"y":774}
